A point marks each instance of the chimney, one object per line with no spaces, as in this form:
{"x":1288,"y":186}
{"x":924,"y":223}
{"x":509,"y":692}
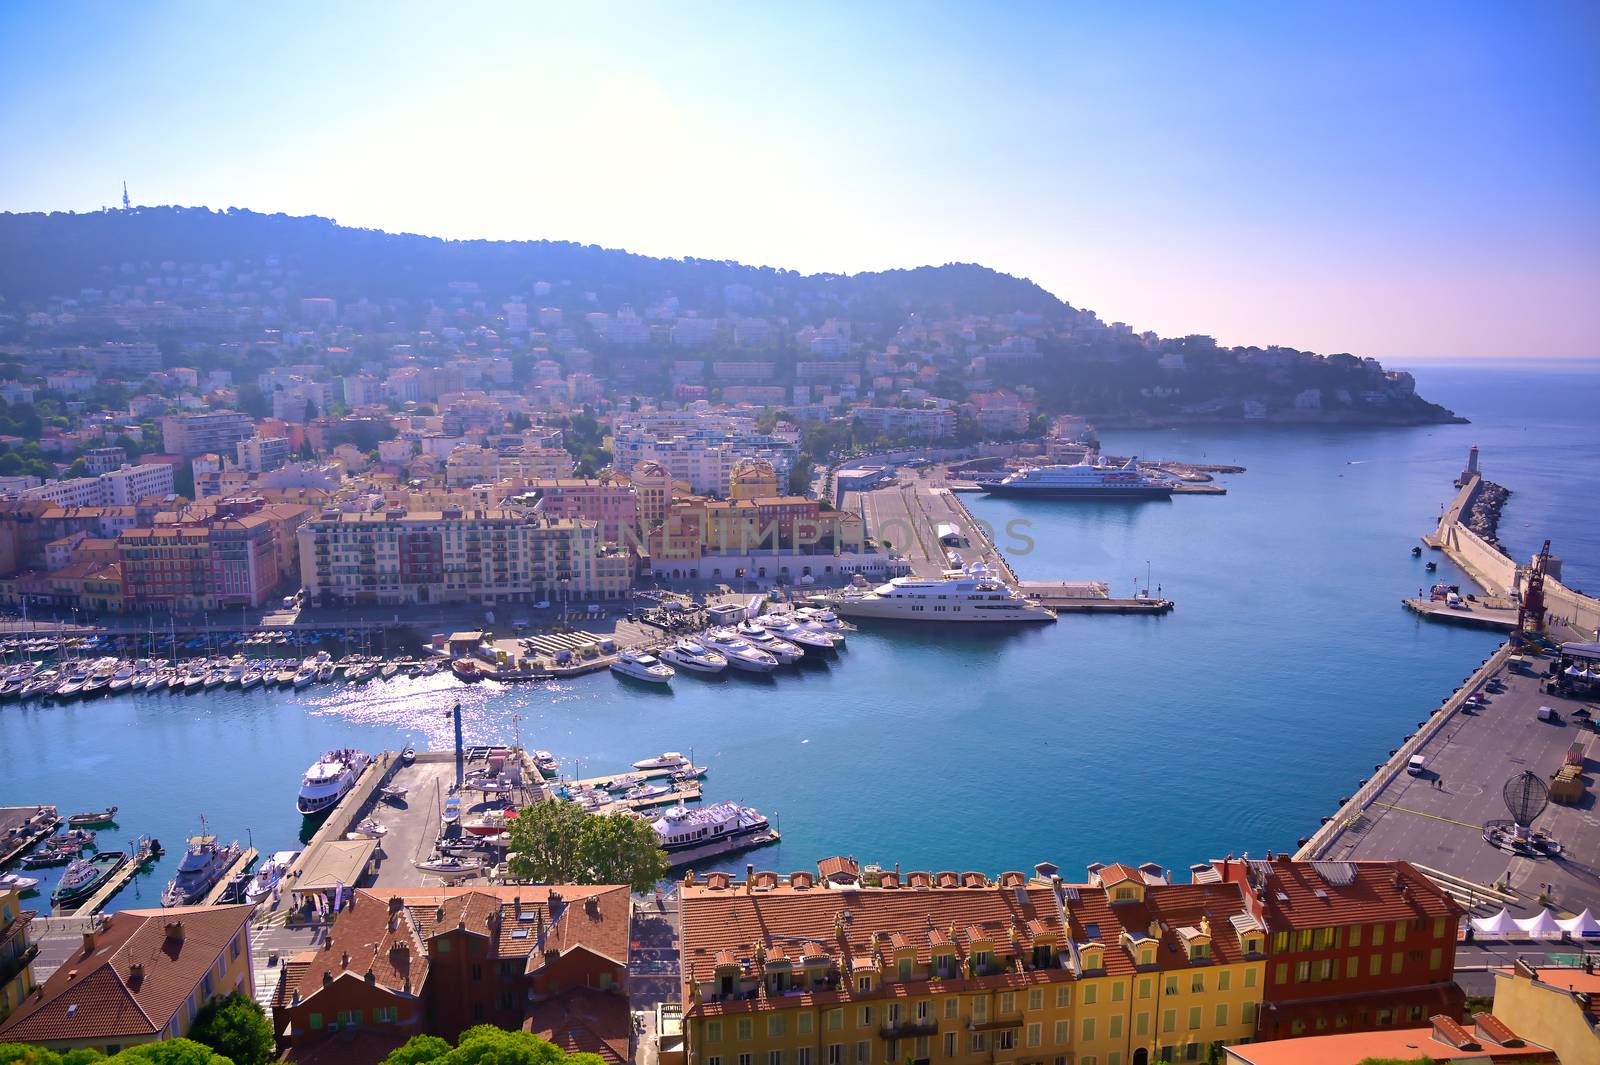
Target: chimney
{"x":327,"y":978}
{"x":135,"y":975}
{"x":555,"y":905}
{"x":344,"y":959}
{"x":88,"y":941}
{"x":371,"y":978}
{"x":591,"y":906}
{"x":175,"y":930}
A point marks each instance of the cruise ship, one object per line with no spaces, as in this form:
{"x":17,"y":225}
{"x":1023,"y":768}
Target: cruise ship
{"x":1085,"y":480}
{"x":326,"y":782}
{"x":972,"y":594}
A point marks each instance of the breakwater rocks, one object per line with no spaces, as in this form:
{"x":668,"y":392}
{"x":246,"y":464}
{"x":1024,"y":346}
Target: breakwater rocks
{"x":1483,"y":516}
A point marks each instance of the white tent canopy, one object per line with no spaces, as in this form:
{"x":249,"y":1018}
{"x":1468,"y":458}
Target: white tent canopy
{"x":1542,"y":925}
{"x":1582,"y":925}
{"x":1500,"y":924}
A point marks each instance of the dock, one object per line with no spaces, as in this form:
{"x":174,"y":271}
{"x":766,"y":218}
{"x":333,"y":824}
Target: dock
{"x":23,"y":826}
{"x":137,"y":861}
{"x":1473,"y":615}
{"x":1086,"y":597}
{"x":246,"y":859}
{"x":1190,"y":489}
{"x":707,"y":851}
{"x":689,"y":791}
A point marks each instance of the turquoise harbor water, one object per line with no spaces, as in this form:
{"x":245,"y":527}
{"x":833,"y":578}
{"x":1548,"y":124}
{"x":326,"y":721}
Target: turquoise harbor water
{"x":1234,"y":724}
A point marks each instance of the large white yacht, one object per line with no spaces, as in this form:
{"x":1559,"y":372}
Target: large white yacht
{"x":328,"y":779}
{"x":690,"y":656}
{"x":739,"y":653}
{"x":1085,"y":480}
{"x":973,"y":594}
{"x":641,"y":666}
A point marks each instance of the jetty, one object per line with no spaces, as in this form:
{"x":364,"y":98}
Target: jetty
{"x":136,"y":861}
{"x":245,"y":860}
{"x":23,"y":826}
{"x":1079,"y":597}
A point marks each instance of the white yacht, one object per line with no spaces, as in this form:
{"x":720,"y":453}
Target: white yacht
{"x":667,"y":760}
{"x":691,"y":657}
{"x":266,"y":878}
{"x":784,"y":651}
{"x":739,"y":653}
{"x":973,"y":594}
{"x":708,"y":830}
{"x":329,"y":778}
{"x":1085,"y":480}
{"x":641,"y":666}
{"x":797,"y":632}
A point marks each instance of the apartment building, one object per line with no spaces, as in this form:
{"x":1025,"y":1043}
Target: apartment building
{"x":196,"y":434}
{"x":258,"y":454}
{"x":436,"y":961}
{"x":1353,"y":946}
{"x":456,"y":555}
{"x":228,"y":556}
{"x":946,"y":967}
{"x":140,"y":976}
{"x":17,"y":952}
{"x":917,"y":423}
{"x":609,"y":502}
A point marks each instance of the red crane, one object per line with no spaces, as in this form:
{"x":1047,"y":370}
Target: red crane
{"x":1530,"y":615}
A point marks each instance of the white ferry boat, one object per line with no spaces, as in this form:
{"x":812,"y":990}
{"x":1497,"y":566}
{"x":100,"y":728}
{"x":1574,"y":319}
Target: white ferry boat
{"x":1085,"y":480}
{"x":690,"y":835}
{"x":328,"y":779}
{"x":973,"y":594}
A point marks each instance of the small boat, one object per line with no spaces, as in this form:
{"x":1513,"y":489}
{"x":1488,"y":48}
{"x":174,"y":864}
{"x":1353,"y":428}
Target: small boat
{"x":93,"y":817}
{"x":267,"y":877}
{"x":466,"y":669}
{"x":451,"y":866}
{"x":85,"y":876}
{"x":389,"y":669}
{"x":371,"y":829}
{"x":1431,"y":566}
{"x":665,"y":760}
{"x":641,"y":666}
{"x":285,"y":678}
{"x":451,"y":814}
{"x":489,"y":823}
{"x":70,"y":688}
{"x":394,"y":793}
{"x":688,"y":773}
{"x":325,"y":672}
{"x":46,"y":858}
{"x":1415,"y":552}
{"x":192,"y":680}
{"x":303,"y":676}
{"x":740,"y":654}
{"x":215,"y":678}
{"x":409,"y":755}
{"x":17,"y":882}
{"x":358,"y":674}
{"x":249,"y":679}
{"x":646,"y":791}
{"x":72,"y":840}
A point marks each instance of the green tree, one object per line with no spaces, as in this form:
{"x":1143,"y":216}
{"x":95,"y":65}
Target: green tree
{"x":28,"y":1054}
{"x":237,"y":1028}
{"x":486,"y":1045}
{"x":556,"y":842}
{"x":168,"y":1052}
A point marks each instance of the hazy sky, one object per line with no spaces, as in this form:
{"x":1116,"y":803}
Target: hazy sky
{"x":1403,"y":180}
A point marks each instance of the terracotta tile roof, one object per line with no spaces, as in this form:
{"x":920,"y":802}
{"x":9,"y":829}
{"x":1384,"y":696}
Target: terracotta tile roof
{"x":1495,"y":1029}
{"x":838,"y":866}
{"x":99,"y":994}
{"x":365,"y":1046}
{"x":1298,"y":895}
{"x":1116,"y":873}
{"x":584,"y":1021}
{"x":1403,"y":1044}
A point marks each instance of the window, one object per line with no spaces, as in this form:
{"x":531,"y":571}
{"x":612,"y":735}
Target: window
{"x":774,"y":1057}
{"x":1194,"y":1016}
{"x":1224,"y":980}
{"x":1088,"y":1029}
{"x":1355,"y":935}
{"x":1064,"y":995}
{"x":777,"y":1024}
{"x":316,"y":1022}
{"x":744,"y":1059}
{"x":1063,"y":1032}
{"x":1008,"y":1002}
{"x":949,"y":1044}
{"x":864,"y":1017}
{"x":835,"y":1020}
{"x":1351,"y":965}
{"x":1435,"y":957}
{"x":1375,"y":965}
{"x":980,"y":1042}
{"x":835,"y":1054}
{"x":1302,"y":972}
{"x":1325,"y":969}
{"x":1197,"y":982}
{"x":1302,"y":939}
{"x":1036,"y":999}
{"x":892,"y":1014}
{"x":863,"y":1053}
{"x":1280,"y":942}
{"x":713,"y":1031}
{"x":924,"y":1009}
{"x":980,"y":1009}
{"x":1248,"y":1014}
{"x":1091,"y":994}
{"x":1118,"y":991}
{"x":905,"y":968}
{"x":714,"y":1060}
{"x":1377,"y":935}
{"x":1438,"y":929}
{"x":746,"y":1029}
{"x":1222,"y":1015}
{"x":477,"y":971}
{"x":1396,"y":961}
{"x":1169,"y":1020}
{"x":1399,"y":931}
{"x":952,"y":1006}
{"x":1172,"y":985}
{"x":863,"y":983}
{"x":1144,"y":987}
{"x":1116,"y":1026}
{"x":1005,"y":1039}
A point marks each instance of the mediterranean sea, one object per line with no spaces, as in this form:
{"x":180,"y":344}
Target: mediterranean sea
{"x":1287,"y":672}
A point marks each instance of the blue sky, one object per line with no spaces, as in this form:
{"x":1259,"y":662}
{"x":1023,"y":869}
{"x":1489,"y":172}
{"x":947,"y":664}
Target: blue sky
{"x":1404,"y":180}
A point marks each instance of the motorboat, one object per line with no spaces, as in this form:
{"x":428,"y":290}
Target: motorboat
{"x":826,"y":618}
{"x":689,"y":773}
{"x":17,"y":882}
{"x":215,"y":678}
{"x":665,"y":760}
{"x":546,"y":763}
{"x":304,"y":676}
{"x":451,"y":866}
{"x":1084,"y":480}
{"x":389,"y":669}
{"x":450,"y":814}
{"x":796,"y":632}
{"x":73,"y":840}
{"x":693,"y":658}
{"x":193,"y":680}
{"x":47,"y":857}
{"x":202,"y":866}
{"x":85,"y":876}
{"x":641,"y":666}
{"x":641,"y":792}
{"x":739,"y":652}
{"x":325,"y":672}
{"x":489,"y":823}
{"x":785,"y":652}
{"x":122,"y":679}
{"x":358,"y":673}
{"x":329,"y":778}
{"x":266,"y":879}
{"x":409,"y":755}
{"x":41,"y":685}
{"x":723,"y":826}
{"x":467,"y":669}
{"x":285,"y":677}
{"x":93,"y":817}
{"x":249,"y":679}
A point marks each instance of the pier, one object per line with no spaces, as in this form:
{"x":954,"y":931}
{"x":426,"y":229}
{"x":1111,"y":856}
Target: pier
{"x":1473,"y":615}
{"x":1081,"y":597}
{"x":23,"y":826}
{"x":118,"y":880}
{"x":246,"y":859}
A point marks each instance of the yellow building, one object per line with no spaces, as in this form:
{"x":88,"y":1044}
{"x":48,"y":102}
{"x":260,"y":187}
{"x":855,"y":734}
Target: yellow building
{"x":16,"y":953}
{"x":140,"y":977}
{"x":752,"y":479}
{"x":957,"y":969}
{"x":1557,"y":1008}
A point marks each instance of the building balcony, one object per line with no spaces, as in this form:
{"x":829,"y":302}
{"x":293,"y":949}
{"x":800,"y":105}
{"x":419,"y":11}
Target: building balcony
{"x":999,"y":1022}
{"x":910,"y":1028}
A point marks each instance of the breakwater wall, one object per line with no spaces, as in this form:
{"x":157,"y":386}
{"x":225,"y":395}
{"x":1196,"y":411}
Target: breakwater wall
{"x":1497,"y":573}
